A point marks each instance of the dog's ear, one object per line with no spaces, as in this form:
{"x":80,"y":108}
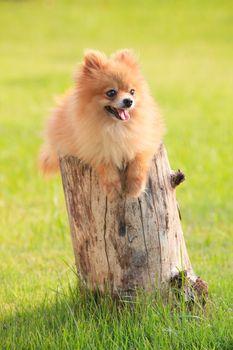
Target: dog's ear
{"x":127,"y":56}
{"x":93,"y":60}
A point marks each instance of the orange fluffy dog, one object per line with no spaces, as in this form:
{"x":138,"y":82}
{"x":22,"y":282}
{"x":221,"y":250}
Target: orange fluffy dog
{"x":107,"y":120}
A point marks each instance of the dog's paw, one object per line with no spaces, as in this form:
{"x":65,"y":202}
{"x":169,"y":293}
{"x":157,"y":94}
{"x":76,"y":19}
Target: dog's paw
{"x":135,"y":186}
{"x":110,"y":180}
{"x":112,"y":189}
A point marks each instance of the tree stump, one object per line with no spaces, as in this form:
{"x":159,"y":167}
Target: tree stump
{"x":128,"y":243}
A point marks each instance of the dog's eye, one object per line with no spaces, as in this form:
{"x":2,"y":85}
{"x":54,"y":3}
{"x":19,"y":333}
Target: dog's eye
{"x":111,"y":93}
{"x":132,"y":92}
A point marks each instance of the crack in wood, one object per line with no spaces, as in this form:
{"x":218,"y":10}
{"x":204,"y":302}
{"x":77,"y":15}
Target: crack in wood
{"x":178,"y":208}
{"x":105,"y":230}
{"x":165,"y":195}
{"x":90,"y":187}
{"x":144,"y":238}
{"x":122,"y":228}
{"x":158,"y":225}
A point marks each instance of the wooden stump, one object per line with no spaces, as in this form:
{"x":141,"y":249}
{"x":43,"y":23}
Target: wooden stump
{"x":128,"y":243}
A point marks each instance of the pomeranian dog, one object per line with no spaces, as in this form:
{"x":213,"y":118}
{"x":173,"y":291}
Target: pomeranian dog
{"x":108,"y":120}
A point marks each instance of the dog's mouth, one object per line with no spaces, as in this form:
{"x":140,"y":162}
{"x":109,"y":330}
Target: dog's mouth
{"x":119,"y":113}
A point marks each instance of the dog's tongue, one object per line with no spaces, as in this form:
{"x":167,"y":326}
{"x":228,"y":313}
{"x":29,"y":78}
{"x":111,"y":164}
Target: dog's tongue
{"x":124,"y":114}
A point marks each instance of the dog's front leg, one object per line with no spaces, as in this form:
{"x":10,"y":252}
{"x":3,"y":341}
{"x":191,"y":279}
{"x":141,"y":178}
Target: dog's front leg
{"x":109,"y":178}
{"x":136,"y":174}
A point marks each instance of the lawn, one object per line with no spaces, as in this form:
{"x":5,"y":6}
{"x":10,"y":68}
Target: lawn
{"x":186,"y":53}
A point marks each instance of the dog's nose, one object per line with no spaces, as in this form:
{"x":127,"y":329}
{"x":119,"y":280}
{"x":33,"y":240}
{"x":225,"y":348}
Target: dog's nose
{"x":128,"y":102}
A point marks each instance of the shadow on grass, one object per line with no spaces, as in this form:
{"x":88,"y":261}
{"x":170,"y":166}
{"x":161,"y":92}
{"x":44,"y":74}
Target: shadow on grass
{"x":75,"y":319}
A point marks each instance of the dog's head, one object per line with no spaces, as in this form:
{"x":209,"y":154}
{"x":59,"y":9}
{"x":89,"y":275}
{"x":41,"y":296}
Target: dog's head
{"x":112,"y":85}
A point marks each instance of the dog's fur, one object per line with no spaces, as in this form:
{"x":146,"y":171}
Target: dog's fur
{"x":81,"y":126}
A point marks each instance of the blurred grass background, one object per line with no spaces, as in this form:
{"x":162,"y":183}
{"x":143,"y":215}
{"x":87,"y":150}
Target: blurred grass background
{"x":185,"y":49}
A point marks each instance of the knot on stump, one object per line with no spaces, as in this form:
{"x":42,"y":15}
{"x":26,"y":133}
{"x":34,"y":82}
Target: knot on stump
{"x":176,"y":178}
{"x":193,"y":289}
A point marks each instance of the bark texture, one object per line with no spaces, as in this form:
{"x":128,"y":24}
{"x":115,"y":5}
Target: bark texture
{"x":127,"y":243}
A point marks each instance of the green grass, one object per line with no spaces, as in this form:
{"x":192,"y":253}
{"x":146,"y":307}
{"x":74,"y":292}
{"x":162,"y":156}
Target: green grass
{"x":186,"y":54}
